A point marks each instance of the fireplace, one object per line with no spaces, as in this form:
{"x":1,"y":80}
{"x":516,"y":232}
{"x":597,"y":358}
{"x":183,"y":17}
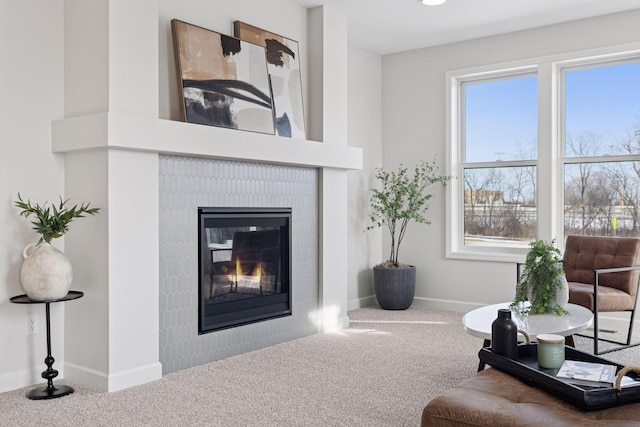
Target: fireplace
{"x":244,"y":266}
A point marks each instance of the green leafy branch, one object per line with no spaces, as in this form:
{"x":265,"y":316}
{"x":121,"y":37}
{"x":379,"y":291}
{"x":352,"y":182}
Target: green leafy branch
{"x":402,"y":198}
{"x":540,"y":279}
{"x":52,"y":222}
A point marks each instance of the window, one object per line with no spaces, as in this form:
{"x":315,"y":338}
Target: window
{"x":543,"y":149}
{"x":500,"y":119}
{"x":601,"y":142}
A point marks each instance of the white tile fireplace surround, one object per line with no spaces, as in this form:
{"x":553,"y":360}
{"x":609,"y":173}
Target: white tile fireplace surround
{"x":187,"y":183}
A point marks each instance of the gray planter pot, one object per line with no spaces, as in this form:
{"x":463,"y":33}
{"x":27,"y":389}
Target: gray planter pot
{"x":395,"y":287}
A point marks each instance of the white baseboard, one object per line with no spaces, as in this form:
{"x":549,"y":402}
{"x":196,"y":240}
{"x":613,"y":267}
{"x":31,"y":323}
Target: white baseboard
{"x":447,"y":305}
{"x":91,"y":378}
{"x":616,"y":322}
{"x":133,"y":377}
{"x":19,"y":379}
{"x":334,"y":325}
{"x":430,"y":303}
{"x":113,"y":382}
{"x":354,"y":304}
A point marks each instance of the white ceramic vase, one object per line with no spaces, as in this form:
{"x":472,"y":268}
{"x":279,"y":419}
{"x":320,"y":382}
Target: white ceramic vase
{"x":562,"y":295}
{"x":46,"y":272}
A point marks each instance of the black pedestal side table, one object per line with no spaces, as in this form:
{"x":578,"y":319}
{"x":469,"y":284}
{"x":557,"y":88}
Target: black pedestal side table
{"x":49,"y":391}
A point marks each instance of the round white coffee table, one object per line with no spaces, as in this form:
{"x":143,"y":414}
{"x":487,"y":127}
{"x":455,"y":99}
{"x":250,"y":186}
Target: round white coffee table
{"x":478,"y":323}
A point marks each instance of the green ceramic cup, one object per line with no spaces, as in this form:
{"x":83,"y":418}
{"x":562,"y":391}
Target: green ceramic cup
{"x":550,"y":351}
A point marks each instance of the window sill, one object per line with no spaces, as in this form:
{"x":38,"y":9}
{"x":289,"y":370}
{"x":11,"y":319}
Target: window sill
{"x":493,"y":254}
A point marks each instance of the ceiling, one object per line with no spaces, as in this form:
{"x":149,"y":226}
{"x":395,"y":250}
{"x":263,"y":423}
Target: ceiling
{"x":390,"y":26}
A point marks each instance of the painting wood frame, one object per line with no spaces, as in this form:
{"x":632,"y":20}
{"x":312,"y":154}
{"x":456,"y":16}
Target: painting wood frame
{"x":283,"y":62}
{"x":223,"y":80}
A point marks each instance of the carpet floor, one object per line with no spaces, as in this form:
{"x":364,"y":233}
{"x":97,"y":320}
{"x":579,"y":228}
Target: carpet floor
{"x":379,"y":372}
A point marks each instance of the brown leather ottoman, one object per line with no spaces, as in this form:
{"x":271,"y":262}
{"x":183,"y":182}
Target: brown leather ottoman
{"x":494,"y":399}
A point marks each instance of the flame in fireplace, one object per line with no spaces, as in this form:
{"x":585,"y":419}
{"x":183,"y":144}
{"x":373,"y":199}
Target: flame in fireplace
{"x":257,"y":273}
{"x":238,"y":267}
{"x":254,"y":276}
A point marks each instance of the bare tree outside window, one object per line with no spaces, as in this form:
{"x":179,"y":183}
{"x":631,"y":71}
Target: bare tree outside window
{"x":588,"y":153}
{"x":500,"y":205}
{"x":500,"y":151}
{"x":602,"y":189}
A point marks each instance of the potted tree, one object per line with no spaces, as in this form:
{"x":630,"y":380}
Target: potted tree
{"x":402,"y":198}
{"x":542,"y":281}
{"x":46,"y":272}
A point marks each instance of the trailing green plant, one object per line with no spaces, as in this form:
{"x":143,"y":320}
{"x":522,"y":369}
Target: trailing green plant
{"x":402,"y":198}
{"x":52,"y":222}
{"x":540,"y":280}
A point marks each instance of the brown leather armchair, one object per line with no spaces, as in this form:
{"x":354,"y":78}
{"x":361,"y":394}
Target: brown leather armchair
{"x":603,"y":275}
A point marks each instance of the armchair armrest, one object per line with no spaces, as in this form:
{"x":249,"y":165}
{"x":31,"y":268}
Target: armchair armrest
{"x":598,"y":272}
{"x":615,"y":270}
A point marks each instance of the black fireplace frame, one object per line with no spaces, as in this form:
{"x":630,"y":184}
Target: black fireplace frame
{"x":214,"y":317}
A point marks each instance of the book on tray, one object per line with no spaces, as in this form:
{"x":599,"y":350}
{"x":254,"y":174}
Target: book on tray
{"x":587,"y":373}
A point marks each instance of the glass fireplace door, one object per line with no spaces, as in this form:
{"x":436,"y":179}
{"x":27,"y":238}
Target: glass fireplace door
{"x":245,"y":266}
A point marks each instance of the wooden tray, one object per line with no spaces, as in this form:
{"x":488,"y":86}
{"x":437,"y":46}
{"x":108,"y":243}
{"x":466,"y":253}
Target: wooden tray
{"x":527,"y":370}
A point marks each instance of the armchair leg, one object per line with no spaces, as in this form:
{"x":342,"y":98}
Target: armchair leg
{"x":595,"y":333}
{"x":633,"y":316}
{"x":597,"y":339}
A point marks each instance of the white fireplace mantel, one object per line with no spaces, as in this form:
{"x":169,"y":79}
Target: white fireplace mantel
{"x":138,"y":133}
{"x":112,"y":160}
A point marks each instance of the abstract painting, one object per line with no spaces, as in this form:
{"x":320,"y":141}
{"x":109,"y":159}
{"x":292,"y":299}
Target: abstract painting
{"x":286,"y":82}
{"x":224,"y":81}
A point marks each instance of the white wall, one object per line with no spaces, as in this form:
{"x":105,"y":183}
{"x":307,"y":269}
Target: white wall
{"x":31,"y":88}
{"x":414,"y":128}
{"x":365,"y":131}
